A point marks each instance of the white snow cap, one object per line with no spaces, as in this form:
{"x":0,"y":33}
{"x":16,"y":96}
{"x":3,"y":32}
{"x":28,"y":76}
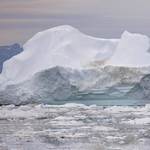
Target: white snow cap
{"x":59,"y":46}
{"x":133,"y":51}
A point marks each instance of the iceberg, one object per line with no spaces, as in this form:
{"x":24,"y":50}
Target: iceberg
{"x":61,"y":63}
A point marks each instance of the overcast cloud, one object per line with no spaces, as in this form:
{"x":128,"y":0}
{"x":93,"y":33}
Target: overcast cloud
{"x":21,"y":19}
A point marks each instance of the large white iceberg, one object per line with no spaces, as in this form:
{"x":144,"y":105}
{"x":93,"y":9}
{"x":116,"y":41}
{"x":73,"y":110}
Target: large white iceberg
{"x":61,"y":63}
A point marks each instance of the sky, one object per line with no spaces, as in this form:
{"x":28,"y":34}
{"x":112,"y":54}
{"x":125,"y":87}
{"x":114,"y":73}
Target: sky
{"x":21,"y":19}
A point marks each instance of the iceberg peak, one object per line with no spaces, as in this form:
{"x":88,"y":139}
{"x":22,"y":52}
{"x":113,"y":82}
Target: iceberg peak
{"x":132,"y":51}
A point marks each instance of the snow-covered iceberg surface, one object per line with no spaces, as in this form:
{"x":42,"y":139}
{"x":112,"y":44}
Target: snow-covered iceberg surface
{"x":59,"y":46}
{"x":61,"y":63}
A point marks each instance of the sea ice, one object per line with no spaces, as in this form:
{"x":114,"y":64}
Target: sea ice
{"x":59,"y":127}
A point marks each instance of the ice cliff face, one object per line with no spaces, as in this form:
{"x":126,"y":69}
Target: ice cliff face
{"x":141,"y":90}
{"x":61,"y":63}
{"x":60,"y":83}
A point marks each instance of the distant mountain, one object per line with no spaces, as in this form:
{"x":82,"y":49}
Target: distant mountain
{"x":6,"y":52}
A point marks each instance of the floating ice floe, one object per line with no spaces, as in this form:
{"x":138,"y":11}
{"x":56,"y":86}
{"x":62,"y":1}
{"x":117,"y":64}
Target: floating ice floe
{"x":74,"y":126}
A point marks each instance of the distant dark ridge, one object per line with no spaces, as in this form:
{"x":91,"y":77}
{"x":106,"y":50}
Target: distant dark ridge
{"x":6,"y":52}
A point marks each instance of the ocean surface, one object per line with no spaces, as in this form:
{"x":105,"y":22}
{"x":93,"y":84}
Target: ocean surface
{"x":111,"y":102}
